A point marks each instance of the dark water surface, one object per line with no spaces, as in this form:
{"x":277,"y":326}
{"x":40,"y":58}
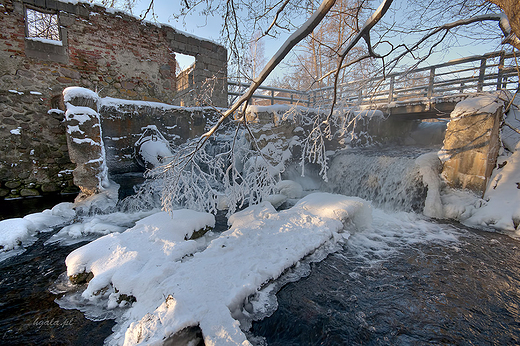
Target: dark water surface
{"x":463,"y":293}
{"x":23,"y":206}
{"x":28,"y":313}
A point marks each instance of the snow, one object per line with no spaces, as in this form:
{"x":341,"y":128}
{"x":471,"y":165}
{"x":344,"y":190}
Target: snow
{"x":45,"y":40}
{"x":289,"y":188}
{"x":180,"y":283}
{"x":81,"y":114}
{"x":85,"y":140}
{"x":92,"y":227}
{"x":16,"y":131}
{"x":488,"y":103}
{"x":154,"y":149}
{"x":73,"y":92}
{"x":510,"y":138}
{"x":13,"y":231}
{"x":75,"y":128}
{"x":115,"y":102}
{"x":18,"y":232}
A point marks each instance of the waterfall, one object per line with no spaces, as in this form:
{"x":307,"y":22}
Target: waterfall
{"x":392,"y":181}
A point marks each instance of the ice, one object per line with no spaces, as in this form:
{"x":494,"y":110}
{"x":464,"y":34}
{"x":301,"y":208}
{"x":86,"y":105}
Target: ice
{"x":429,"y":168}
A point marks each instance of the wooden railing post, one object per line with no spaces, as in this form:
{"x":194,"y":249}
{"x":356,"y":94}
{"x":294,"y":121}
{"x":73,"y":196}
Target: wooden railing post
{"x":360,"y":96}
{"x":481,"y":75}
{"x":500,"y":71}
{"x":391,"y":91}
{"x":431,"y":82}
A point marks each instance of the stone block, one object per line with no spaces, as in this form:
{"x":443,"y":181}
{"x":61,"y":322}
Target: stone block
{"x":29,"y":192}
{"x":12,"y":184}
{"x":39,"y":3}
{"x":70,"y":73}
{"x":51,"y":4}
{"x":471,"y":147}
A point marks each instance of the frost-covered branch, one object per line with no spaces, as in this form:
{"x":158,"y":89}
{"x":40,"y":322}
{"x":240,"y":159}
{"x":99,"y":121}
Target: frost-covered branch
{"x":282,"y":52}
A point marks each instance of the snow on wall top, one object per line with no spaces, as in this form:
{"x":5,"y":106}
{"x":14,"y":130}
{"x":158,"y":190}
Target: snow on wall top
{"x":118,"y":11}
{"x":72,"y":92}
{"x":115,"y":102}
{"x":488,"y":103}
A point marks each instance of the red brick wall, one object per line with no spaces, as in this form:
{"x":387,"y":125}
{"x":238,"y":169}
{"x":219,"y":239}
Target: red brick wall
{"x":108,"y":52}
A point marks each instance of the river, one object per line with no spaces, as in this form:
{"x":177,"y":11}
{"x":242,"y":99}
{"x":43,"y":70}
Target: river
{"x":407,"y":280}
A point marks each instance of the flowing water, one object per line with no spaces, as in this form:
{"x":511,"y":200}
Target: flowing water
{"x":380,"y":289}
{"x":407,"y":280}
{"x":29,"y":315}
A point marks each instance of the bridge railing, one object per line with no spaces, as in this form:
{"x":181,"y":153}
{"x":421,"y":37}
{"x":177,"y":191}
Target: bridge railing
{"x":492,"y":71}
{"x":269,"y":95}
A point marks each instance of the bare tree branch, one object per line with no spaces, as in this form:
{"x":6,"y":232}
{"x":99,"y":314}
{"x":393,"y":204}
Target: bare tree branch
{"x":369,"y":24}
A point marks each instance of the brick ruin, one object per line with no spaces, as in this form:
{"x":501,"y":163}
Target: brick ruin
{"x":110,"y":52}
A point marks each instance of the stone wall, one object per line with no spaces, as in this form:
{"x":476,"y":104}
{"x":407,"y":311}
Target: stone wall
{"x":123,"y":122}
{"x":472,"y":143}
{"x":348,"y":128}
{"x":110,"y":52}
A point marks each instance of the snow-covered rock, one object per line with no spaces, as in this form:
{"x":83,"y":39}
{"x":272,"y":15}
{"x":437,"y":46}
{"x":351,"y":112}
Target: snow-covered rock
{"x":178,"y":283}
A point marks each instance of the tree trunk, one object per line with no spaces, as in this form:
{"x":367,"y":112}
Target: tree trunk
{"x":511,"y":9}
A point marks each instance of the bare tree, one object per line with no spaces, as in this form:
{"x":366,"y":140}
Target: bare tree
{"x":274,"y":16}
{"x":254,"y":58}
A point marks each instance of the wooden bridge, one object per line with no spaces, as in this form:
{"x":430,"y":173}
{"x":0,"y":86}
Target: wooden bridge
{"x":427,"y":92}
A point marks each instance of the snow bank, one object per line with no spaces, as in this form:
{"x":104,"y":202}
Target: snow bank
{"x":176,"y":287}
{"x":18,"y":232}
{"x":502,"y":207}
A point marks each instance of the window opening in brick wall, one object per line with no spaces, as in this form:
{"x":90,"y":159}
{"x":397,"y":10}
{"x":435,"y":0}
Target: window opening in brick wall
{"x":42,"y":26}
{"x":183,"y":62}
{"x":184,"y":71}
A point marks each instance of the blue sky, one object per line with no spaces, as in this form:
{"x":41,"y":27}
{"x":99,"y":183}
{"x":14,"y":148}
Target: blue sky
{"x":210,"y":27}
